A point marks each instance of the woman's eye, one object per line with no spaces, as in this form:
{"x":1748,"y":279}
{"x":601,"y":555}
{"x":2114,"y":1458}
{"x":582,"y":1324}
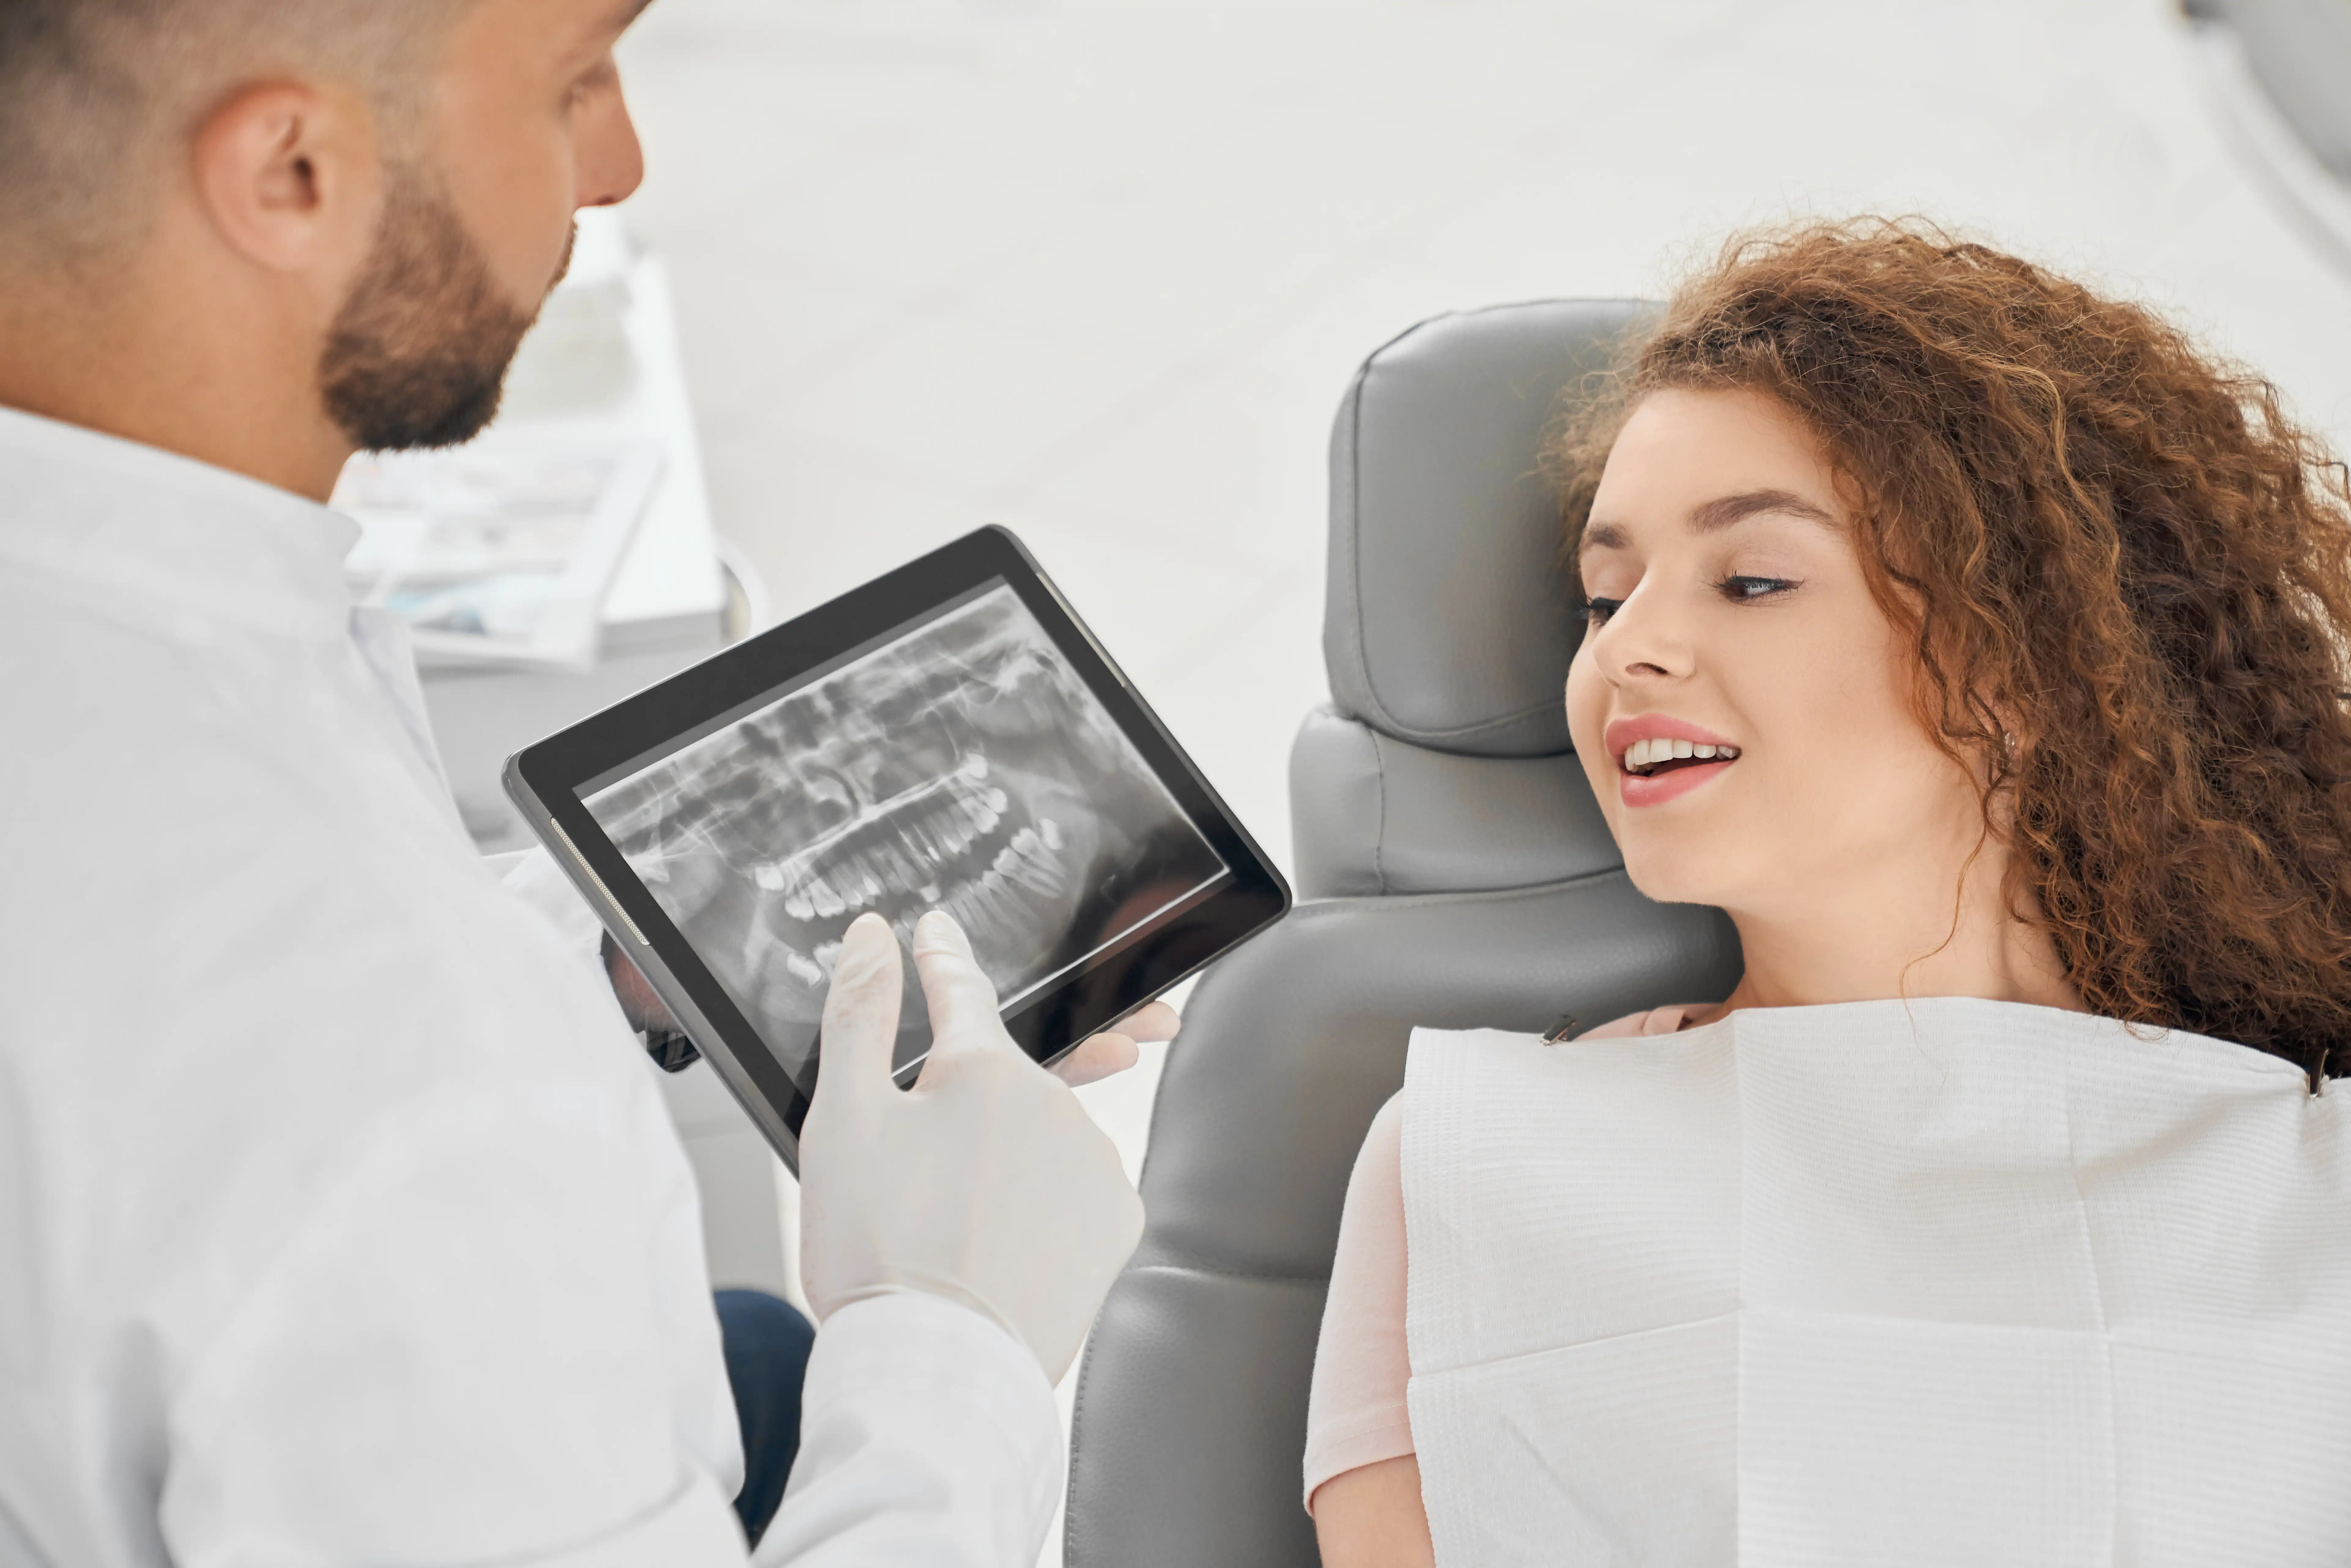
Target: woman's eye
{"x":1596,"y":609}
{"x":1747,"y":589}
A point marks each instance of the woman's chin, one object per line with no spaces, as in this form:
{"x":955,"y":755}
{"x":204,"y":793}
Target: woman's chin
{"x":1676,"y":874}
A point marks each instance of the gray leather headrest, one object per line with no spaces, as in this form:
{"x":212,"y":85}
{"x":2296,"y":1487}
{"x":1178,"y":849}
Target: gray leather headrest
{"x":1448,"y":622}
{"x":1371,"y":816}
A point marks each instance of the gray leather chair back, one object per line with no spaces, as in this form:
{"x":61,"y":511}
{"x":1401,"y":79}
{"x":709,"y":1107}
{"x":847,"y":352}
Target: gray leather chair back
{"x":1453,"y":870}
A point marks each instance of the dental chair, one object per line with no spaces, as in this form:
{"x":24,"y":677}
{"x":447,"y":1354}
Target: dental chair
{"x":1453,"y":871}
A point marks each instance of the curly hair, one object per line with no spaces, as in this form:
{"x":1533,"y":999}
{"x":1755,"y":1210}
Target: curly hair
{"x":2127,"y":575}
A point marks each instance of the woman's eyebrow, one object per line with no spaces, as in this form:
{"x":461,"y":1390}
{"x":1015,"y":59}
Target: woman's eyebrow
{"x":1724,"y":510}
{"x":1600,"y":536}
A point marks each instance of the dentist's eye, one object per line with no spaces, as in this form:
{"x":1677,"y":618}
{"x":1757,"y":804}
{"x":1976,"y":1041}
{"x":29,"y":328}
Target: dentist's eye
{"x":1747,"y":589}
{"x":606,"y":74}
{"x":1597,"y":610}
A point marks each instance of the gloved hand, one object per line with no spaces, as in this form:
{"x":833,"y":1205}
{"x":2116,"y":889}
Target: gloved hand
{"x":985,"y":1183}
{"x":1093,"y":1059}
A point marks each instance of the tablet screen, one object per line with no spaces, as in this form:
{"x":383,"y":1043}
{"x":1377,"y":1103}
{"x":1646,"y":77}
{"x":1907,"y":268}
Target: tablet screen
{"x":957,"y":762}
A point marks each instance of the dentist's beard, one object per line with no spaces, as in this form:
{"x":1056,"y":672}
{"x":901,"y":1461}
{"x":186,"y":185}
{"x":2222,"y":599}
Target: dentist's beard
{"x":418,"y":355}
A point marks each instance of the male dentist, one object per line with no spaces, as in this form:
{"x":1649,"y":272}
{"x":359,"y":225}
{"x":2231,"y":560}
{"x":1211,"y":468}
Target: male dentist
{"x":340,"y":1221}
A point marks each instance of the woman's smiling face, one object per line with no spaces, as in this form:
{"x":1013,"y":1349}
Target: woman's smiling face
{"x":1728,"y":613}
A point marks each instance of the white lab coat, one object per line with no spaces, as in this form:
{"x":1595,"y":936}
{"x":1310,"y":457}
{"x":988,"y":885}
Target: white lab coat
{"x":341,"y":1220}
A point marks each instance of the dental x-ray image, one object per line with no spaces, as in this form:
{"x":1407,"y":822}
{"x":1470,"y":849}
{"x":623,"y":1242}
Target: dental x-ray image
{"x":964,"y":766}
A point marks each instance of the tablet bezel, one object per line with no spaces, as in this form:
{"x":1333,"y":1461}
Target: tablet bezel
{"x":545,"y":781}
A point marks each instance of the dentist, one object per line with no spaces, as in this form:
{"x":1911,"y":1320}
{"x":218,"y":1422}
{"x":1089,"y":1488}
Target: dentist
{"x":341,"y":1220}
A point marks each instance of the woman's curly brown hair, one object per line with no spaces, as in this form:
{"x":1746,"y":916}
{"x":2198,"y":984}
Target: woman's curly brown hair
{"x":2127,"y":577}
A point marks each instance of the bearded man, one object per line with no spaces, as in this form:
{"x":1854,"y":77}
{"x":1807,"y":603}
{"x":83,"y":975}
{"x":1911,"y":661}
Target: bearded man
{"x":340,"y":1221}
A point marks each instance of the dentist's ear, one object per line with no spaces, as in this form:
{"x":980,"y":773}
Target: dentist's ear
{"x":287,"y":176}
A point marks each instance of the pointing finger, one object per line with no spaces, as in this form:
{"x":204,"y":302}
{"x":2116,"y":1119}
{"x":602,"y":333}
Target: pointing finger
{"x":961,"y":1000}
{"x":861,"y":1009}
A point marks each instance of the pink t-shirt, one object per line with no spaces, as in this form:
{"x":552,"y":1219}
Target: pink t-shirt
{"x":1356,"y":1415}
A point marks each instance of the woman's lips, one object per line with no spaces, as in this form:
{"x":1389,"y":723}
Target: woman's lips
{"x":1683,"y":758}
{"x":1658,"y":788}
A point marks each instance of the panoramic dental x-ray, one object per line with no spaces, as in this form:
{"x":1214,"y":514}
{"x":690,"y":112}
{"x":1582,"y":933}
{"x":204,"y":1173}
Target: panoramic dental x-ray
{"x":961,"y":765}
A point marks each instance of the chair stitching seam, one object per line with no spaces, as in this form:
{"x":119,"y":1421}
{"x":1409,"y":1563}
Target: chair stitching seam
{"x":1501,"y":721}
{"x":1355,"y":511}
{"x":1070,"y":1530}
{"x":1476,"y":895}
{"x":1185,"y":1264}
{"x":1361,"y":652}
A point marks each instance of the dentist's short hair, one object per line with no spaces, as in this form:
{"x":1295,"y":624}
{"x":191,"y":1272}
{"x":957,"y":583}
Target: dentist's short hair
{"x":97,"y":95}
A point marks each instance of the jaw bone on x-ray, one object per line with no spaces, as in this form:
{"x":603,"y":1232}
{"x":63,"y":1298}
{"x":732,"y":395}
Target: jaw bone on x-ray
{"x":963,"y":767}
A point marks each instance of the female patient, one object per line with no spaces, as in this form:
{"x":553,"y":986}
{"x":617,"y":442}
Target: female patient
{"x":1979,"y":647}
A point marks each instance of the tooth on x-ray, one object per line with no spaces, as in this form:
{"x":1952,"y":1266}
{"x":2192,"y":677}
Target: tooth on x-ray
{"x":964,"y":767}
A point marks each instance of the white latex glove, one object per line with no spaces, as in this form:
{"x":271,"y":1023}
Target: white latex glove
{"x":985,"y":1183}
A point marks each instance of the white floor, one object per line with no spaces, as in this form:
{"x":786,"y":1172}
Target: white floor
{"x":1099,"y":269}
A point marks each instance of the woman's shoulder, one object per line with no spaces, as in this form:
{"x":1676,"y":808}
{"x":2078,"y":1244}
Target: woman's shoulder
{"x":1654,"y":1020}
{"x":1357,"y":1410}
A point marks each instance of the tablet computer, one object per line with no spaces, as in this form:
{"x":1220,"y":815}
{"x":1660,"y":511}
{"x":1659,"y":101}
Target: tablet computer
{"x":949,"y":736}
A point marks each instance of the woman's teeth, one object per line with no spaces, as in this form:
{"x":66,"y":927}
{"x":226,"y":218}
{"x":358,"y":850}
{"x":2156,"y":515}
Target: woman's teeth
{"x":1643,"y":755}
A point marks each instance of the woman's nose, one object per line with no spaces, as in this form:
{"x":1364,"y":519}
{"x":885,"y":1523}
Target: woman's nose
{"x":1641,"y":641}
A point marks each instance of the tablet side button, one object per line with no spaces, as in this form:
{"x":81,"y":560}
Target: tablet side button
{"x":610,"y":901}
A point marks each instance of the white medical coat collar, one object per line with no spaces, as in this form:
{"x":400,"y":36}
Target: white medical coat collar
{"x":206,"y":542}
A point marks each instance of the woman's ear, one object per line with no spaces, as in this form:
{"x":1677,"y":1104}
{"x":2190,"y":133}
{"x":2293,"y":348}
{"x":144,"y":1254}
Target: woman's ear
{"x":287,"y":174}
{"x":2005,"y":748}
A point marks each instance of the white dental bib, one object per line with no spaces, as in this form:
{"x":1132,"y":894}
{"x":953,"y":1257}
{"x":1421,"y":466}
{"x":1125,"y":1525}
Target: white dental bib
{"x":1948,"y":1281}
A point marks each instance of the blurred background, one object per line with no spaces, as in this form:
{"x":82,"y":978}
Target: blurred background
{"x":1101,"y":269}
